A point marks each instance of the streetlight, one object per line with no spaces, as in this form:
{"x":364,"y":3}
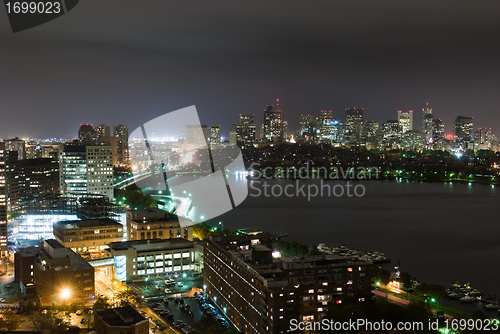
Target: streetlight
{"x":65,"y":293}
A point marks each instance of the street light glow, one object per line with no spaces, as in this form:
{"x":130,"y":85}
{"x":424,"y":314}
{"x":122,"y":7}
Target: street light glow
{"x":65,"y":293}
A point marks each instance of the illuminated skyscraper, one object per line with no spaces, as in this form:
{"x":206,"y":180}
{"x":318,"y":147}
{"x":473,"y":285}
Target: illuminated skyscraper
{"x":371,"y":134}
{"x":215,"y":136}
{"x":405,"y":120}
{"x":462,"y":129}
{"x":390,"y":129}
{"x":428,"y":128}
{"x":87,"y":135}
{"x":87,"y":170}
{"x":308,"y":127}
{"x":122,"y":151}
{"x":328,"y":127}
{"x":37,"y":183}
{"x":353,"y":125}
{"x":18,"y":145}
{"x":437,"y":129}
{"x":245,"y":130}
{"x":233,"y":135}
{"x":427,"y":111}
{"x":483,"y":136}
{"x":103,"y":130}
{"x":3,"y":200}
{"x":273,"y":125}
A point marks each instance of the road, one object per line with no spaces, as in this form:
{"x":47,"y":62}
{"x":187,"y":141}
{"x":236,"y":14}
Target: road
{"x":406,"y":298}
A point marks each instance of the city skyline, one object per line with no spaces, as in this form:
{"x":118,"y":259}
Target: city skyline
{"x":396,"y":57}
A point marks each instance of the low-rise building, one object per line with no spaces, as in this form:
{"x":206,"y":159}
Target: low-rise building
{"x":155,"y":224}
{"x":260,"y":292}
{"x":91,"y":235}
{"x":61,"y":275}
{"x":24,"y":261}
{"x":142,"y":259}
{"x":120,"y":320}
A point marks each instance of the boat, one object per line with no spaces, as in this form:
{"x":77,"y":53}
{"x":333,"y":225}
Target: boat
{"x":455,"y":295}
{"x":492,"y":306}
{"x":468,"y":299}
{"x":476,"y":292}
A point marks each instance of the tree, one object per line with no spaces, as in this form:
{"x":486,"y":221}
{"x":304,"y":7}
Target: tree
{"x":101,"y":302}
{"x":314,"y":250}
{"x":9,"y":320}
{"x":29,"y":306}
{"x":126,"y":297}
{"x":201,"y":231}
{"x":49,"y":322}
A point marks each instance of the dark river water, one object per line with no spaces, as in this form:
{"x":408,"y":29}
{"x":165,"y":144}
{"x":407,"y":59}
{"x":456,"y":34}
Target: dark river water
{"x":439,"y":232}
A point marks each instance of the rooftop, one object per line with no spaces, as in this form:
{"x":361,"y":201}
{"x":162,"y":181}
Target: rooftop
{"x":54,"y":243}
{"x":152,"y":244}
{"x":120,"y":316}
{"x":28,"y":251}
{"x":72,"y":224}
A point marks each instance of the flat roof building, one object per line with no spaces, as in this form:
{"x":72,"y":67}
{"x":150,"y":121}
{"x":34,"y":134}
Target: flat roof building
{"x":155,"y":224}
{"x":142,"y":259}
{"x":24,"y":261}
{"x":120,"y":320}
{"x":61,"y":275}
{"x":91,"y":235}
{"x":259,"y":291}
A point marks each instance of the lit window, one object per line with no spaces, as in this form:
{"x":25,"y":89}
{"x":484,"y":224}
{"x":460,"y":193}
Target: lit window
{"x":349,"y":269}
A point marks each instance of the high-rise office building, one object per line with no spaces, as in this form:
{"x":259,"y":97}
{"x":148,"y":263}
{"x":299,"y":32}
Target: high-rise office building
{"x":427,"y":111}
{"x":100,"y":170}
{"x":483,"y":136}
{"x":87,"y":170}
{"x":87,"y":135}
{"x":353,"y":125}
{"x":3,"y":201}
{"x":390,"y":129}
{"x":274,"y":129}
{"x":103,"y":130}
{"x":215,"y":136}
{"x":73,"y":170}
{"x":437,"y":129}
{"x":245,"y":130}
{"x":36,"y":150}
{"x":38,"y":184}
{"x":122,"y":151}
{"x":371,"y":134}
{"x":18,"y":145}
{"x":328,"y":127}
{"x":405,"y":120}
{"x":308,"y":127}
{"x":428,"y":128}
{"x":463,"y":129}
{"x":233,"y":134}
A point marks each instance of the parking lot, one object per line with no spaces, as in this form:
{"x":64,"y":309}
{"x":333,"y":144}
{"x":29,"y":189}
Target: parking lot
{"x":184,"y":312}
{"x":178,"y":285}
{"x":177,"y":299}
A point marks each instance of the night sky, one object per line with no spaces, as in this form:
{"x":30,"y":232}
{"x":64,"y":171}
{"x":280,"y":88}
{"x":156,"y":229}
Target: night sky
{"x":130,"y":61}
